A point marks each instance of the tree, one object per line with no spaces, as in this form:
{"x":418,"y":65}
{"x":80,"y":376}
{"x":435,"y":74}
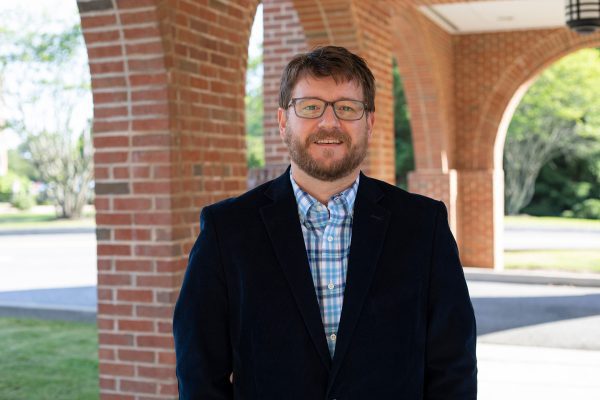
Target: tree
{"x":405,"y":159}
{"x":48,"y":100}
{"x":557,"y":117}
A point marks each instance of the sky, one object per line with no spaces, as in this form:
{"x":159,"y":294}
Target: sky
{"x":42,"y":14}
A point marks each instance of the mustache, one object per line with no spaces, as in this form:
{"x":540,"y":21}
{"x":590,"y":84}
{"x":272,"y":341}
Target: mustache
{"x":329,"y":134}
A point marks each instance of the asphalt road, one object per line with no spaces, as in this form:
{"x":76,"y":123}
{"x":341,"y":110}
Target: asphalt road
{"x":523,"y":238}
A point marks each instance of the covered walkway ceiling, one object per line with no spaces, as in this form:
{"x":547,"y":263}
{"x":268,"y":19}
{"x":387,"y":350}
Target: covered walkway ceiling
{"x":464,"y":17}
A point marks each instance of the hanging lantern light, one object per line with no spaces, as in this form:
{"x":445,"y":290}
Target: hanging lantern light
{"x":583,"y":16}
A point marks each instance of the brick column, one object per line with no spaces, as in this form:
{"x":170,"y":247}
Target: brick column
{"x":440,"y":186}
{"x":168,"y":85}
{"x":284,"y":37}
{"x":480,"y":217}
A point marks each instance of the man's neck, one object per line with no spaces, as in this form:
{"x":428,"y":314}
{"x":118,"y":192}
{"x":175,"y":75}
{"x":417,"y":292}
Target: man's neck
{"x":322,"y":190}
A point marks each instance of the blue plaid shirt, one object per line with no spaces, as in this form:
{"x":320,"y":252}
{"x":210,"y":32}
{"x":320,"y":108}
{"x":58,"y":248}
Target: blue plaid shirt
{"x":327,"y":233}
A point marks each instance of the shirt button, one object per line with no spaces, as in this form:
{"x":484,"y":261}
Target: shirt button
{"x":330,"y":238}
{"x":331,"y":286}
{"x":333,"y":337}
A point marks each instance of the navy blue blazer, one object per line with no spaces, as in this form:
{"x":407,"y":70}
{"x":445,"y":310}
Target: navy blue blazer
{"x":248,"y":306}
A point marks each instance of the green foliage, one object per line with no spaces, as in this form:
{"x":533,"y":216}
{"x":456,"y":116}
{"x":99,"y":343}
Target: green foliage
{"x":254,"y":114}
{"x":6,"y":186}
{"x":20,"y":165}
{"x":405,"y":160}
{"x":16,"y":190}
{"x":47,"y":99}
{"x":22,"y":200}
{"x":553,"y":142}
{"x":589,"y":208}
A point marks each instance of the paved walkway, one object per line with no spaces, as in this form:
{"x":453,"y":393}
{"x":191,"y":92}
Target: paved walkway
{"x":535,"y":341}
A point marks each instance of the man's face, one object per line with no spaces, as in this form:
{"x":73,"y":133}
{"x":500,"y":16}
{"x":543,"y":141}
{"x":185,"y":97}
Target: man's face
{"x":326,"y":148}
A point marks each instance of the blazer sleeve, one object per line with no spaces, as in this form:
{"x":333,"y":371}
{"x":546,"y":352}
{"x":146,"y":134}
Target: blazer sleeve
{"x":451,"y":364}
{"x":200,"y":322}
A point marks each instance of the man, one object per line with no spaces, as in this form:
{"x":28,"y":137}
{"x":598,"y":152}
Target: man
{"x":325,"y":283}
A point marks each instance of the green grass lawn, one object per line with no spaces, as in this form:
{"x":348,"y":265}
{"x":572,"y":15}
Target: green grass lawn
{"x":32,"y":220}
{"x":48,"y":360}
{"x":559,"y":260}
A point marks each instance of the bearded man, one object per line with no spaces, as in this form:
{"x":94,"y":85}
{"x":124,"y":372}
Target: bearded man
{"x":325,"y":283}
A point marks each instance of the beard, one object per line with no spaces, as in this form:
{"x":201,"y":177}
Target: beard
{"x":326,"y":169}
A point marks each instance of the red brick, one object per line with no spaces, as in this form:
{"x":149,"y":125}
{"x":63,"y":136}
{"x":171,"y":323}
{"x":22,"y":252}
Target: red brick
{"x":110,"y":157}
{"x":161,"y":373}
{"x":167,"y":358}
{"x":137,"y":386}
{"x":113,"y":219}
{"x":153,"y":218}
{"x":135,"y":325}
{"x":154,"y":341}
{"x":116,"y":369}
{"x":136,"y":355}
{"x":158,"y":250}
{"x":113,"y":249}
{"x":133,"y":234}
{"x":108,"y":309}
{"x":150,"y":311}
{"x":133,"y":265}
{"x":106,"y":354}
{"x":111,"y":141}
{"x":151,"y":156}
{"x":133,"y":295}
{"x":108,"y":383}
{"x":92,"y":21}
{"x":115,"y":339}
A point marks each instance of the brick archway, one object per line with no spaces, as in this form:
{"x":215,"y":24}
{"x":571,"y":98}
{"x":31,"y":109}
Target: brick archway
{"x":168,"y":84}
{"x":484,"y":111}
{"x":417,"y":44}
{"x":514,"y":83}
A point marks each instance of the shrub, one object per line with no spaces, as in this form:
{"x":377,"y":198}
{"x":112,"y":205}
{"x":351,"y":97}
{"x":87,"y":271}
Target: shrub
{"x":22,"y":200}
{"x":589,"y":208}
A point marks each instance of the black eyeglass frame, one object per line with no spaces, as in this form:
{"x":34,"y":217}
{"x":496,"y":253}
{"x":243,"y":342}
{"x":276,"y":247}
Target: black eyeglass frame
{"x":292,"y":103}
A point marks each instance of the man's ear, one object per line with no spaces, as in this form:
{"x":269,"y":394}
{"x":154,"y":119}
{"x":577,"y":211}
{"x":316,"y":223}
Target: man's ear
{"x":282,"y":120}
{"x":370,"y":123}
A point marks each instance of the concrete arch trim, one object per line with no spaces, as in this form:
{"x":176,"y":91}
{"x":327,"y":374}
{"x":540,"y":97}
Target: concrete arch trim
{"x":510,"y":88}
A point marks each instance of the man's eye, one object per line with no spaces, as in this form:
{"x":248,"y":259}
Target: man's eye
{"x":310,"y":107}
{"x":345,"y":108}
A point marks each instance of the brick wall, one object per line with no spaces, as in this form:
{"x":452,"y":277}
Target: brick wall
{"x":168,"y":84}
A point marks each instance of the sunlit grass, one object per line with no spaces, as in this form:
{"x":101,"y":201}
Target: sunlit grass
{"x":531,"y":221}
{"x":559,"y":260}
{"x":43,"y":219}
{"x":48,"y":360}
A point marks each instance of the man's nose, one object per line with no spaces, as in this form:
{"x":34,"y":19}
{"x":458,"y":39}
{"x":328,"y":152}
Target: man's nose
{"x":329,"y":119}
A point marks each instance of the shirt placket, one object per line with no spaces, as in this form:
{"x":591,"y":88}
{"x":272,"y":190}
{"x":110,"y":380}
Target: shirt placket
{"x":331,"y":280}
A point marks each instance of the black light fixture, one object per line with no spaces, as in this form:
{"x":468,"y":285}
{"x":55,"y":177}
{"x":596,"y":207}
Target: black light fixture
{"x":583,"y":16}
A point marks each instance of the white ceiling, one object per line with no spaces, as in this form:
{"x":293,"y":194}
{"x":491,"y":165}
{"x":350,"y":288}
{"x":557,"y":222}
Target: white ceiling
{"x":497,"y":15}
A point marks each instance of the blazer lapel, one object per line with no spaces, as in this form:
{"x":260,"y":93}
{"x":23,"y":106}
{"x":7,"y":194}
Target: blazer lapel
{"x":283,"y":226}
{"x":369,"y":227}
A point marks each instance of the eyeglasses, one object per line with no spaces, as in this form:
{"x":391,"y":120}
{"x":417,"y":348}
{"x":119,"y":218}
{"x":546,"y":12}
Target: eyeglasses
{"x":312,"y":107}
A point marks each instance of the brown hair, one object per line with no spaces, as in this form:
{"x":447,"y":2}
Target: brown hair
{"x":328,"y":61}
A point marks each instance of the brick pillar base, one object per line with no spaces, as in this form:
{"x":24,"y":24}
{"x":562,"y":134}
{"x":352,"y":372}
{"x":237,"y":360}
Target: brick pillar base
{"x":437,"y":185}
{"x":481,"y":217}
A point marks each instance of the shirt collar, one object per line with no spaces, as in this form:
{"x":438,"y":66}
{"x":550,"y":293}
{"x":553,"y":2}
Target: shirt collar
{"x":306,"y":201}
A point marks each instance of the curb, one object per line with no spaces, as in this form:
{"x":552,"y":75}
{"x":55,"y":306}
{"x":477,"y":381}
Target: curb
{"x":37,"y":311}
{"x":46,"y":231}
{"x":532,"y":277}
